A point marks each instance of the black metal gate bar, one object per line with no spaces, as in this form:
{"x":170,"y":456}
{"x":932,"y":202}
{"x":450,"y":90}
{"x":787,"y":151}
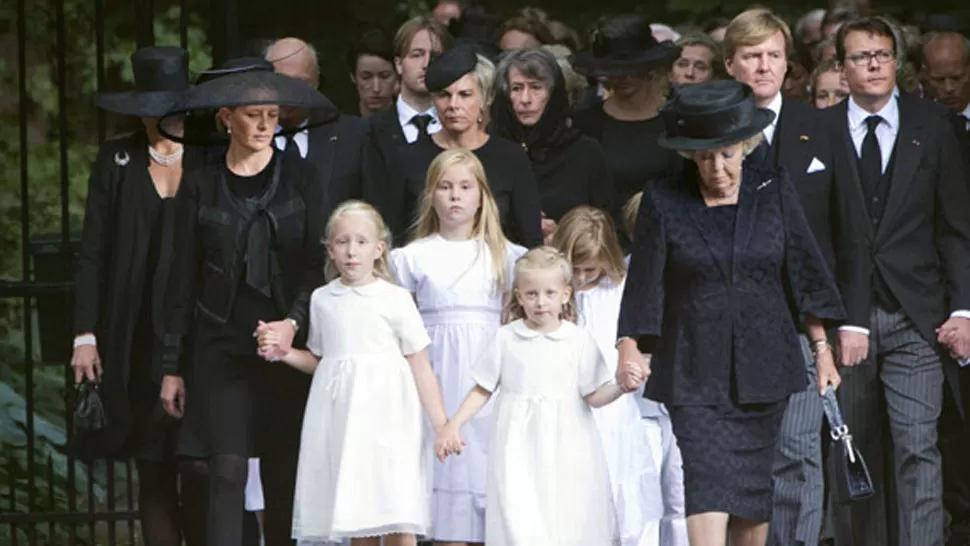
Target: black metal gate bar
{"x":144,"y":23}
{"x":183,"y":24}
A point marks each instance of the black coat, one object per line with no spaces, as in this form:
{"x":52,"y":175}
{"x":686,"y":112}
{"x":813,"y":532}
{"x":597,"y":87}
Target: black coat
{"x":112,"y":270}
{"x":382,"y":169}
{"x":208,"y":263}
{"x":720,"y":333}
{"x":922,"y":244}
{"x":335,"y":151}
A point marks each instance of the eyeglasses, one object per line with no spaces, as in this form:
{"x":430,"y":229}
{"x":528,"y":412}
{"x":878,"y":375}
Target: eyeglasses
{"x":865,"y":57}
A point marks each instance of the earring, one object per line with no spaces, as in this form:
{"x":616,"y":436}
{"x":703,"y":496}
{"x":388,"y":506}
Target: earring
{"x":481,"y":118}
{"x":228,"y":130}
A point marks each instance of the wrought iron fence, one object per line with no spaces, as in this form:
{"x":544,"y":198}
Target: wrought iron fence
{"x":46,"y":495}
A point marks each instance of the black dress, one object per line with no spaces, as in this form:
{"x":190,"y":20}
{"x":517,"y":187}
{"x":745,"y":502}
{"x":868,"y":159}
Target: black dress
{"x":121,"y":278}
{"x":716,"y":295}
{"x":569,"y":167}
{"x":509,"y":176}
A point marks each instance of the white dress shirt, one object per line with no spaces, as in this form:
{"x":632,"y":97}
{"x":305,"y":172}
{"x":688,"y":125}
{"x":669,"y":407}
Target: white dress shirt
{"x":301,"y":138}
{"x":404,"y":115}
{"x":769,"y":131}
{"x":886,"y":133}
{"x":966,"y":114}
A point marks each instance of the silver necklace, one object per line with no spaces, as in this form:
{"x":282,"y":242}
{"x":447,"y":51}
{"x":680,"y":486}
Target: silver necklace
{"x":166,"y":160}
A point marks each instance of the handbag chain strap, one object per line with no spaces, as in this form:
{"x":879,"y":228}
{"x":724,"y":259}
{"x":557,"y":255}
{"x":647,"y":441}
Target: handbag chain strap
{"x":839,"y":430}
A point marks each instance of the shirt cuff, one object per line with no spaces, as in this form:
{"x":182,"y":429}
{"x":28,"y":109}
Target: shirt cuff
{"x":962,"y":313}
{"x":856,"y":329}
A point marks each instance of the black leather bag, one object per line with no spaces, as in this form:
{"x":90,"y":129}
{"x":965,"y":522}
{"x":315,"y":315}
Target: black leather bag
{"x":852,"y":478}
{"x":90,"y":422}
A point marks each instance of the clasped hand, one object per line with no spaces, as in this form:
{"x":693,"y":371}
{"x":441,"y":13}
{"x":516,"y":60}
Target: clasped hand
{"x":275,"y":339}
{"x":632,"y":370}
{"x":448,"y":441}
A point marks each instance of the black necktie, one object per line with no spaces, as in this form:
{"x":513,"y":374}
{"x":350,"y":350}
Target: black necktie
{"x":871,"y":159}
{"x":760,"y":154}
{"x":421,"y":121}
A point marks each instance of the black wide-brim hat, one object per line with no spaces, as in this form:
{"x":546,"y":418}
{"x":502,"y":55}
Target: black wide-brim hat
{"x":245,"y":82}
{"x":624,"y":46}
{"x":161,"y":75}
{"x":711,"y":115}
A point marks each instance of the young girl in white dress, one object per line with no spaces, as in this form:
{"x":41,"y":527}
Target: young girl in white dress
{"x":548,"y":483}
{"x":670,"y":528}
{"x":365,"y":453}
{"x":459,"y":268}
{"x":587,"y":238}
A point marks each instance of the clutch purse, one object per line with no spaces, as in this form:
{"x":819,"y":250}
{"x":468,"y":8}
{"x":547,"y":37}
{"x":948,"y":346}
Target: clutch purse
{"x":89,"y":421}
{"x":852,"y":477}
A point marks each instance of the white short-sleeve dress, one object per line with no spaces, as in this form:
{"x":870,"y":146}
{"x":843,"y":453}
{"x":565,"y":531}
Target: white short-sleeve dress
{"x":548,"y":484}
{"x":366,"y":448}
{"x":454,"y":284}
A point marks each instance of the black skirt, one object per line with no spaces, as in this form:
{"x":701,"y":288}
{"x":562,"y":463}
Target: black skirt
{"x":728,"y":453}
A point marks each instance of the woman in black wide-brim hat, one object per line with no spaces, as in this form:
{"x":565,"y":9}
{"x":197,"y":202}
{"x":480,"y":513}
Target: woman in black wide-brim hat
{"x":249,"y":252}
{"x":724,"y":275}
{"x":122,"y":275}
{"x":633,"y":68}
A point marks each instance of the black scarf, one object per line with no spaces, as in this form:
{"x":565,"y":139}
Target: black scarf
{"x":551,"y":134}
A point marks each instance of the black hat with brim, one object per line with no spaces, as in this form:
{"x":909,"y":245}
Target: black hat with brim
{"x":161,"y":75}
{"x":711,"y":115}
{"x":245,"y":82}
{"x":622,"y":45}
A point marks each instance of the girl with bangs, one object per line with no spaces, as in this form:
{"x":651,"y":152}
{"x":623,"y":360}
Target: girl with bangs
{"x":641,"y":453}
{"x":459,"y":268}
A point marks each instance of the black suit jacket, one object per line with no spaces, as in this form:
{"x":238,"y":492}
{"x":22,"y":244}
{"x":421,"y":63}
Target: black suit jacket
{"x":796,"y":142}
{"x":382,"y":169}
{"x":722,"y":332}
{"x":922,"y":244}
{"x":335,"y":151}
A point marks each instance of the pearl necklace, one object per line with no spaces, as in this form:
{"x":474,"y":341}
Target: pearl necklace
{"x":165,"y":160}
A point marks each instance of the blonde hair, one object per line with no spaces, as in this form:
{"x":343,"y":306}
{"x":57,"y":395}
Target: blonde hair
{"x":587,"y":234}
{"x":630,"y":211}
{"x":541,"y":258}
{"x":485,"y":77}
{"x":753,"y":27}
{"x":382,"y":267}
{"x":486,"y":227}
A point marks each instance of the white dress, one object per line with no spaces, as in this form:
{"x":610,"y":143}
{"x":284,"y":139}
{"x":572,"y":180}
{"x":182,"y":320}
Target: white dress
{"x":366,"y":448}
{"x":634,"y":466}
{"x":548,"y":484}
{"x":454,"y":285}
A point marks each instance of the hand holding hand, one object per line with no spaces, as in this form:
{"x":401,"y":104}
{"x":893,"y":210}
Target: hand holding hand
{"x":86,"y":363}
{"x":631,"y":369}
{"x":275,"y":339}
{"x":448,"y":441}
{"x":853,"y":347}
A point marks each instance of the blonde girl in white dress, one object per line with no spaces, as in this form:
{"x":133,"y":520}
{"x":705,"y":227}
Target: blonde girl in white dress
{"x":548,"y":483}
{"x":587,"y":237}
{"x":366,"y":452}
{"x":459,"y":268}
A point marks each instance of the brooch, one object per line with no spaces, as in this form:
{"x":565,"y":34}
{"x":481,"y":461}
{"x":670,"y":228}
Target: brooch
{"x":764,"y":184}
{"x":916,"y":143}
{"x":803,"y":138}
{"x":333,"y":138}
{"x":122,"y":159}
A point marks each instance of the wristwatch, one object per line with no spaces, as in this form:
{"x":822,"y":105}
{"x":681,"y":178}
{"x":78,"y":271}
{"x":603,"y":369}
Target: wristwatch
{"x":296,"y":325}
{"x":621,"y":340}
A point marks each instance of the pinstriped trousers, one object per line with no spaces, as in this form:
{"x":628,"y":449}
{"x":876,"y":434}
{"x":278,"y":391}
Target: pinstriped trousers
{"x":799,"y":490}
{"x":901,"y":382}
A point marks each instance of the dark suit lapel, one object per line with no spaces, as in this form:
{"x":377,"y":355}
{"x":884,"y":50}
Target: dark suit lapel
{"x":322,"y":144}
{"x":845,"y":150}
{"x":751,"y":185}
{"x":389,"y":128}
{"x":906,"y":160}
{"x":790,"y":141}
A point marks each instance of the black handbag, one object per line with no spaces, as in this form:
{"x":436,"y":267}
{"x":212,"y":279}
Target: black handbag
{"x":852,"y":477}
{"x":90,"y":422}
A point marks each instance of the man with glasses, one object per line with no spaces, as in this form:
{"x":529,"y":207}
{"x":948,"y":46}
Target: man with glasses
{"x":903,"y":256}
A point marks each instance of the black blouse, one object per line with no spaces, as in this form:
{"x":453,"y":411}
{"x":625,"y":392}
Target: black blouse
{"x":509,"y":176}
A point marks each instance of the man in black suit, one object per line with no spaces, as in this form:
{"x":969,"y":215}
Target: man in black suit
{"x":332,"y":145}
{"x":756,"y":45}
{"x":412,"y":117}
{"x":903,"y":267}
{"x":945,"y":75}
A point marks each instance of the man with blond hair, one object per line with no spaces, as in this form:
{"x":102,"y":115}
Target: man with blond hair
{"x":756,"y":47}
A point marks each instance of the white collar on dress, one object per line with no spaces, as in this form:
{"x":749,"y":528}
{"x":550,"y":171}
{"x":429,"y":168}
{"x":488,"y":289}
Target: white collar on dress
{"x":563,"y":332}
{"x":338,"y":288}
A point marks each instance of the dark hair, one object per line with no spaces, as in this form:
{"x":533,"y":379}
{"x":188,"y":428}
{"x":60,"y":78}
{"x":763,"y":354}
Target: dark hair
{"x":372,"y":42}
{"x":870,"y":25}
{"x":839,"y":15}
{"x":715,"y":23}
{"x":530,"y":22}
